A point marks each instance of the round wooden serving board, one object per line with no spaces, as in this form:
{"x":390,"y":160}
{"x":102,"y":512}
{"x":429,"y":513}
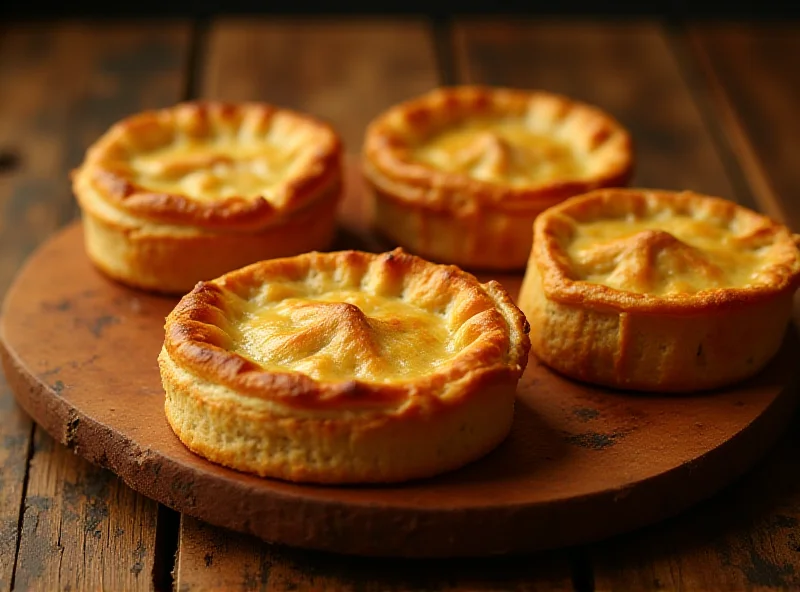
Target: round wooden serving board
{"x":581,"y":463}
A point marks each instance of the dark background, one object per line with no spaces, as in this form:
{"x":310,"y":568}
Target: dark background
{"x":673,"y":10}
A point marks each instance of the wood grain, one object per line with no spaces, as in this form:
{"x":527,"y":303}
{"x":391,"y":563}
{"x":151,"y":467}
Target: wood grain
{"x":83,"y":528}
{"x":749,"y":537}
{"x":753,"y":81}
{"x":344,"y":72}
{"x":15,"y":434}
{"x":232,"y":561}
{"x":62,"y":86}
{"x":626,"y":69}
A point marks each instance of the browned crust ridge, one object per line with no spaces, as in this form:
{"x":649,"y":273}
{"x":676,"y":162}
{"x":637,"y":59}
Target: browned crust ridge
{"x":559,"y":284}
{"x":389,"y":166}
{"x":197,"y":339}
{"x":111,"y":178}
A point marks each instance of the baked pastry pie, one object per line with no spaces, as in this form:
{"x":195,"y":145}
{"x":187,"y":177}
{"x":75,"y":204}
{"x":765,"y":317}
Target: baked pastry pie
{"x":459,"y":174}
{"x":343,"y":367}
{"x":658,"y":291}
{"x":178,"y":195}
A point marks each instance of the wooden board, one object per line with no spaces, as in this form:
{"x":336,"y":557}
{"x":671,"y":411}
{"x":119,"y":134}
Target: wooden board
{"x":580,"y":464}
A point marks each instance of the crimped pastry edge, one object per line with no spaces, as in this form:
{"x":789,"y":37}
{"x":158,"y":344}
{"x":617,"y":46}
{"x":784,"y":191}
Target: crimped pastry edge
{"x":95,"y":176}
{"x":257,"y":436}
{"x":195,"y":340}
{"x":398,"y":178}
{"x":553,"y":262}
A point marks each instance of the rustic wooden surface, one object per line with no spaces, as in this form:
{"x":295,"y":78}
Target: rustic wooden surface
{"x":717,"y":113}
{"x":78,"y":527}
{"x":592,"y":461}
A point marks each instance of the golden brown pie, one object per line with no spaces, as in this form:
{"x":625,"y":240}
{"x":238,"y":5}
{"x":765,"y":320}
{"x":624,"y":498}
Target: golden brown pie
{"x":343,"y":367}
{"x":459,"y":174}
{"x":178,"y":195}
{"x":658,"y":291}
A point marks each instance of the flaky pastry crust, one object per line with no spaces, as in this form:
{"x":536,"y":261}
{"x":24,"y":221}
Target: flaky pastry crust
{"x":473,"y":200}
{"x":182,"y":194}
{"x":658,"y":290}
{"x":323,"y":397}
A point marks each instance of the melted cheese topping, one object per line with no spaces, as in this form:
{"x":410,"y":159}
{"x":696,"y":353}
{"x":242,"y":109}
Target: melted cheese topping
{"x":665,"y":254}
{"x":215,"y":168}
{"x":500,"y":150}
{"x":343,"y":335}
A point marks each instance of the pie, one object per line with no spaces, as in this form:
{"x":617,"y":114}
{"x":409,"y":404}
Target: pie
{"x":657,"y":290}
{"x":460,"y":174}
{"x":343,"y":367}
{"x":178,"y":195}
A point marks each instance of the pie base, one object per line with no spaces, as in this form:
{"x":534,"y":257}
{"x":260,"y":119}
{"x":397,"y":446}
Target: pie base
{"x":172,"y":260}
{"x":254,"y":436}
{"x":489,"y":239}
{"x":653,"y":352}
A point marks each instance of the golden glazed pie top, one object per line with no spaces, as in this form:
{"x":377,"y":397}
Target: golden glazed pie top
{"x":225,"y":166}
{"x":342,"y":335}
{"x":204,"y":163}
{"x":501,"y":150}
{"x":348,"y":329}
{"x":658,"y":247}
{"x":505,"y":145}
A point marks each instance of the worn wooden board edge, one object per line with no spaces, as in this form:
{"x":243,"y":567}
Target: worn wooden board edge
{"x":332,"y":526}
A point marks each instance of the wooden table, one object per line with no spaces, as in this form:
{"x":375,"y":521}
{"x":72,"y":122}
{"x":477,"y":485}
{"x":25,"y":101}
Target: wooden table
{"x":712,"y":107}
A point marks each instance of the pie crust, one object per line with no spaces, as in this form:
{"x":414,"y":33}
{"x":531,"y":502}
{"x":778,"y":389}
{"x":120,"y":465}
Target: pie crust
{"x":343,"y":367}
{"x":183,"y":194}
{"x":460,"y":174}
{"x":658,"y":291}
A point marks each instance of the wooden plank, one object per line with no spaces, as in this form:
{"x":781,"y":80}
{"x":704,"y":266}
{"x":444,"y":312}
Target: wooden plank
{"x":83,"y":528}
{"x":626,"y":69}
{"x":211,"y":558}
{"x":753,"y":81}
{"x":343,"y":71}
{"x":15,"y":434}
{"x":62,"y":86}
{"x":748,"y":537}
